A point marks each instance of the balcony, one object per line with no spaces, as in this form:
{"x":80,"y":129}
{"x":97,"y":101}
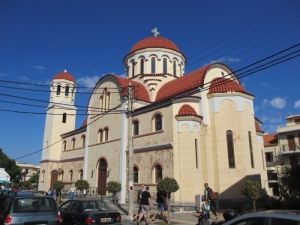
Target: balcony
{"x":270,"y":165}
{"x":289,"y":149}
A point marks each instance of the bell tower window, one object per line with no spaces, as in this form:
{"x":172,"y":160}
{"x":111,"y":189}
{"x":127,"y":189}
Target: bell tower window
{"x":64,"y":118}
{"x":58,"y":90}
{"x":152,"y":65}
{"x":67,"y":91}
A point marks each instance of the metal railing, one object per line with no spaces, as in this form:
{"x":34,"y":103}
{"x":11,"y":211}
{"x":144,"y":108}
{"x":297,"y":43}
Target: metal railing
{"x":289,"y":147}
{"x":270,"y":164}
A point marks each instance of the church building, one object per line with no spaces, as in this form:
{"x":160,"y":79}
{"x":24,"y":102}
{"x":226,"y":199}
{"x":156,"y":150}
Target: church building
{"x":197,"y":127}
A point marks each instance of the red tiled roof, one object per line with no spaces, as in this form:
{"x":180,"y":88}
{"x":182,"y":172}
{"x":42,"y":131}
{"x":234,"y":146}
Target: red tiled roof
{"x":187,"y":110}
{"x":84,"y":122}
{"x":182,"y":84}
{"x":257,"y":128}
{"x":270,"y":140}
{"x":224,"y":85}
{"x":64,"y":76}
{"x":154,"y":42}
{"x":139,"y":91}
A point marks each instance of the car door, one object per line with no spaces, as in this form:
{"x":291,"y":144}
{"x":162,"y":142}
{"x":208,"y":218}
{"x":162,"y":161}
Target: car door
{"x":280,"y":221}
{"x":251,"y":221}
{"x":74,"y":212}
{"x":65,"y":213}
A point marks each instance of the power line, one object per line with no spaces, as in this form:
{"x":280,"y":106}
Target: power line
{"x":100,"y":116}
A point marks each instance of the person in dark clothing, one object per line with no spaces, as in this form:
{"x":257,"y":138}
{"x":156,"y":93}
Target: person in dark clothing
{"x":145,"y":205}
{"x":138,"y":201}
{"x":160,"y":205}
{"x":58,"y":195}
{"x":210,"y":201}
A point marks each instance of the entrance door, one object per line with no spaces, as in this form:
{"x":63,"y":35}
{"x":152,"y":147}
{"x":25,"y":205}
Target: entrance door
{"x":54,"y":177}
{"x":291,"y":142}
{"x":102,"y":177}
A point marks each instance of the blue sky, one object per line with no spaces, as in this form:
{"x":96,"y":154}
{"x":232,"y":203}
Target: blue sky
{"x":90,"y":38}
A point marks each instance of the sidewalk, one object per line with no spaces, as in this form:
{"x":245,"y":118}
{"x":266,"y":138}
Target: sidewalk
{"x":176,"y":218}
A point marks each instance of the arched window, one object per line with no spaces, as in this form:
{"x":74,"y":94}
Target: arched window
{"x":101,"y":107}
{"x":152,"y":65}
{"x":165,"y":65}
{"x":106,"y":134}
{"x":64,"y":118}
{"x":80,"y":174}
{"x":135,"y":127}
{"x":71,"y":175}
{"x":83,"y":141}
{"x":174,"y":68}
{"x":100,"y":134}
{"x":73,"y":143}
{"x":142,"y":66}
{"x":230,"y":149}
{"x":158,"y":122}
{"x":43,"y":175}
{"x":65,"y":145}
{"x":158,"y":173}
{"x":135,"y":175}
{"x":67,"y":91}
{"x":108,"y":100}
{"x":132,"y":69}
{"x":251,"y":150}
{"x":61,"y":175}
{"x":58,"y":90}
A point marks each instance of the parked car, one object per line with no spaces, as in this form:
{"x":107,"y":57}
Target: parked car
{"x":271,"y":217}
{"x":28,"y":208}
{"x":88,"y":211}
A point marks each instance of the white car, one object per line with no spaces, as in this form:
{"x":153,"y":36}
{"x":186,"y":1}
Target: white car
{"x":271,"y":217}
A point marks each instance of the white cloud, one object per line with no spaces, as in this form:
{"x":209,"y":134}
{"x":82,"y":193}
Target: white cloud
{"x":278,"y":103}
{"x":263,"y":119}
{"x":256,"y":108}
{"x":274,"y":120}
{"x":40,"y":67}
{"x":89,"y":82}
{"x":297,"y":104}
{"x":24,"y":78}
{"x":265,"y":102}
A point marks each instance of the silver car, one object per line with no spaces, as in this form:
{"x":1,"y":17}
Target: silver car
{"x":29,"y":208}
{"x":271,"y":217}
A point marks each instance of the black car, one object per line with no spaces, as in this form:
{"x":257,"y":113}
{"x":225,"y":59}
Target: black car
{"x":18,"y":208}
{"x":88,"y":211}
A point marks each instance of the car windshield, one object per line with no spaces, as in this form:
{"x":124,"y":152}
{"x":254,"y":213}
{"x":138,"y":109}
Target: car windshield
{"x":95,"y":205}
{"x":34,"y":204}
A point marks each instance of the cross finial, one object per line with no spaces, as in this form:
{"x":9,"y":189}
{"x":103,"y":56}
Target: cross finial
{"x":155,"y":32}
{"x":65,"y":71}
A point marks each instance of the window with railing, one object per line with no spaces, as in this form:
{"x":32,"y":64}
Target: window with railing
{"x":272,"y":176}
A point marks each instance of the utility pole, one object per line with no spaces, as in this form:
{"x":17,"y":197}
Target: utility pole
{"x":130,"y":155}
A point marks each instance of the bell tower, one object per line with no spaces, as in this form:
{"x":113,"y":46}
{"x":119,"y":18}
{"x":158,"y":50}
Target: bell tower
{"x":61,"y":114}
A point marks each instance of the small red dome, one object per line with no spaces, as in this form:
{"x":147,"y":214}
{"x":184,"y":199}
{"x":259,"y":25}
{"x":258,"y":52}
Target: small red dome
{"x":64,"y":76}
{"x":187,"y":110}
{"x":154,"y":42}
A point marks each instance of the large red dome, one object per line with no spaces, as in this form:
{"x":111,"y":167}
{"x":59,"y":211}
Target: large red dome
{"x":154,"y":42}
{"x":64,"y":76}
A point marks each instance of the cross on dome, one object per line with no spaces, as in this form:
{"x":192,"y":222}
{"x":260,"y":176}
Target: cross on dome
{"x":155,"y":32}
{"x":65,"y":71}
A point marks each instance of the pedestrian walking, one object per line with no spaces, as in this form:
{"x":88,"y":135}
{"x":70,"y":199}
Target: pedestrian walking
{"x":51,"y":191}
{"x":160,"y":205}
{"x":210,"y":198}
{"x":145,"y":205}
{"x":138,"y":201}
{"x":72,"y":191}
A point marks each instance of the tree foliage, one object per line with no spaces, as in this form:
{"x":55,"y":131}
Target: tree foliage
{"x":113,"y":187}
{"x":168,"y":185}
{"x":34,"y":178}
{"x":289,"y":181}
{"x":58,"y":185}
{"x":10,"y":167}
{"x":82,"y":184}
{"x":251,"y":190}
